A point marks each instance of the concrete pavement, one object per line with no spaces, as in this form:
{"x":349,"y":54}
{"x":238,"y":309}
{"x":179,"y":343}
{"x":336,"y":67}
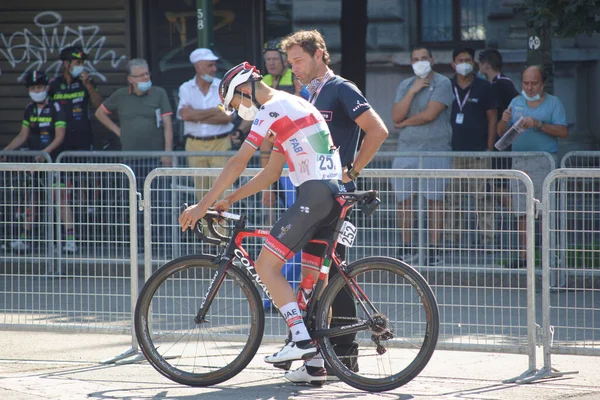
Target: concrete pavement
{"x":42,"y":365}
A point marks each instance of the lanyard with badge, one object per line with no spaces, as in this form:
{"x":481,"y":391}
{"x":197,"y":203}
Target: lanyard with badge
{"x":313,"y":97}
{"x":460,"y":116}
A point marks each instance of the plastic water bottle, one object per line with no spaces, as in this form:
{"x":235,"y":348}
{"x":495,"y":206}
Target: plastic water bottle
{"x":510,"y":135}
{"x":305,"y":292}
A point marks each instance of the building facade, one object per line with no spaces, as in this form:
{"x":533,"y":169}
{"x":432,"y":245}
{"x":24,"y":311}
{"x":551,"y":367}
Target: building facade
{"x":164,"y":32}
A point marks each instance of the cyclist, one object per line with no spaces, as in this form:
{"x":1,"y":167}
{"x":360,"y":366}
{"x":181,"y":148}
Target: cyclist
{"x":43,"y":128}
{"x":301,"y":137}
{"x":283,"y":193}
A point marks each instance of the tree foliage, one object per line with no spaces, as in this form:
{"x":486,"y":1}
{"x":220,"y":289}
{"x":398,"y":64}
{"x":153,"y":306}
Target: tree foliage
{"x":565,"y":17}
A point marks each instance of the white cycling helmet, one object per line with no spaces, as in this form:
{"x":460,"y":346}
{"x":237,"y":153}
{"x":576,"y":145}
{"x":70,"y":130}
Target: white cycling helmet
{"x":241,"y":73}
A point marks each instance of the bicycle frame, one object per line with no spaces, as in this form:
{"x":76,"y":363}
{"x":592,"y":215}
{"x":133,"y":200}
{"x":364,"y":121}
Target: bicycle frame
{"x":234,"y":249}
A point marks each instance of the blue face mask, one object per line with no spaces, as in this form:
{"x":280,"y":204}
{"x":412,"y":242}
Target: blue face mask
{"x":76,"y":71}
{"x":144,"y":86}
{"x":533,"y":98}
{"x":207,"y":78}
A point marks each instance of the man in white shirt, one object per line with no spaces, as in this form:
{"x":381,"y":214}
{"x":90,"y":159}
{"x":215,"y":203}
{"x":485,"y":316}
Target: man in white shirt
{"x":206,"y":128}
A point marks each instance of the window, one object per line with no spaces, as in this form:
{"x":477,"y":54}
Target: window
{"x":446,"y":22}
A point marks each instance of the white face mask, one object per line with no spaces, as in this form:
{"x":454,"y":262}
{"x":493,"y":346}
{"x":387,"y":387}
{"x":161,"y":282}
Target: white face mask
{"x":464,"y":69}
{"x":533,"y":98}
{"x":247,"y":113}
{"x":76,"y":71}
{"x":421,"y":68}
{"x":38,"y":97}
{"x":207,"y":78}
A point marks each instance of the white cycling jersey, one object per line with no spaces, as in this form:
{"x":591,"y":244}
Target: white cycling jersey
{"x":301,"y":134}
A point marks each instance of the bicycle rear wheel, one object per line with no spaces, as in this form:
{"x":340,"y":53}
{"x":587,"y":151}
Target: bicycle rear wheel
{"x":406,"y":329}
{"x":198,"y":354}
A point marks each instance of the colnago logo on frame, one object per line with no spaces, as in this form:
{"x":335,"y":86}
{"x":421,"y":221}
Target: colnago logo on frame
{"x":250,"y":268}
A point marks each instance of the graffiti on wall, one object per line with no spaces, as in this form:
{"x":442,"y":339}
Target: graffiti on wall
{"x":34,"y":48}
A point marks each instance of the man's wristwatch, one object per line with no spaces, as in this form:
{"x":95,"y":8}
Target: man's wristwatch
{"x":353,"y":174}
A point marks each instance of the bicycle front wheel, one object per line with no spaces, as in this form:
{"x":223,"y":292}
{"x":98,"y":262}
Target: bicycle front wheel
{"x":402,"y":336}
{"x":212,"y":351}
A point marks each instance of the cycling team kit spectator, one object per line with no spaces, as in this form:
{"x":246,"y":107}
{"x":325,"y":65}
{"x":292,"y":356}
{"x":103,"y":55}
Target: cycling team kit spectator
{"x":422,"y":113}
{"x":473,"y":119}
{"x":75,"y":90}
{"x":347,"y":112}
{"x":206,"y":127}
{"x":544,"y":121}
{"x":287,"y":120}
{"x":43,"y":128}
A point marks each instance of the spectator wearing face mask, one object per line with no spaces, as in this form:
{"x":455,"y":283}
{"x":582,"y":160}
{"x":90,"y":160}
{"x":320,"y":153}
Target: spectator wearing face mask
{"x":422,"y":115}
{"x":206,"y":127}
{"x":144,"y":113}
{"x":474,"y":118}
{"x":544,"y":122}
{"x":145,"y":118}
{"x":75,"y":90}
{"x":43,"y":128}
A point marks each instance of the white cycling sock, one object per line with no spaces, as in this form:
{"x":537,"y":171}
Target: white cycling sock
{"x":317,"y":361}
{"x":293,"y":317}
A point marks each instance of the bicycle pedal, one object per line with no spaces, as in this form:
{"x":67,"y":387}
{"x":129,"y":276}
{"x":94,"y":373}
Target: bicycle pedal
{"x":286,"y":365}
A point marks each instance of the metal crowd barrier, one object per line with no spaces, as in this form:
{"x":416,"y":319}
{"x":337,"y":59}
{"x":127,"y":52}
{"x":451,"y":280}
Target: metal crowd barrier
{"x":581,"y":159}
{"x":63,"y":268}
{"x":24,"y":156}
{"x":484,"y":304}
{"x":570,"y":265}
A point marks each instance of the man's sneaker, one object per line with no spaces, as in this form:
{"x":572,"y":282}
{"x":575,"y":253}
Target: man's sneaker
{"x":19,"y":245}
{"x":292,"y":351}
{"x":306,"y":374}
{"x":70,"y":247}
{"x":408,"y":256}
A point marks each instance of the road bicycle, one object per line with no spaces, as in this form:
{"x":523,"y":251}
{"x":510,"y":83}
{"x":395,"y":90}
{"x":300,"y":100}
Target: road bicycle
{"x":199,"y":319}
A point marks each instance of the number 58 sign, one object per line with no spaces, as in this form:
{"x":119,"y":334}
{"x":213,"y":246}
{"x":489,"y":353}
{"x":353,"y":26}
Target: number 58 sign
{"x":200,"y":19}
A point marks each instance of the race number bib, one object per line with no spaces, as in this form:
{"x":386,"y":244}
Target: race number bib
{"x":325,"y":162}
{"x":347,"y":234}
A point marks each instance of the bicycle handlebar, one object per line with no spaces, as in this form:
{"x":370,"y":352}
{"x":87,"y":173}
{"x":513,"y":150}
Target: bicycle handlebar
{"x":211,"y":217}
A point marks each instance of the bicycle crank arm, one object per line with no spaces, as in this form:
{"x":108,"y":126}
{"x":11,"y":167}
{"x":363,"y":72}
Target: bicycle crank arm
{"x":341,"y":330}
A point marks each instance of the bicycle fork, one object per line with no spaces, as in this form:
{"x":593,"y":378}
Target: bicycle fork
{"x":213,"y":288}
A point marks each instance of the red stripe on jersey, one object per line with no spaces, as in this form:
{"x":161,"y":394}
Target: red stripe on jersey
{"x":286,"y":128}
{"x":254,"y":139}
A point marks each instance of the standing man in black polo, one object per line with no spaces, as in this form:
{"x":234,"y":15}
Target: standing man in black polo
{"x":75,"y":90}
{"x":347,"y":112}
{"x":490,"y":67}
{"x":474,"y":118}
